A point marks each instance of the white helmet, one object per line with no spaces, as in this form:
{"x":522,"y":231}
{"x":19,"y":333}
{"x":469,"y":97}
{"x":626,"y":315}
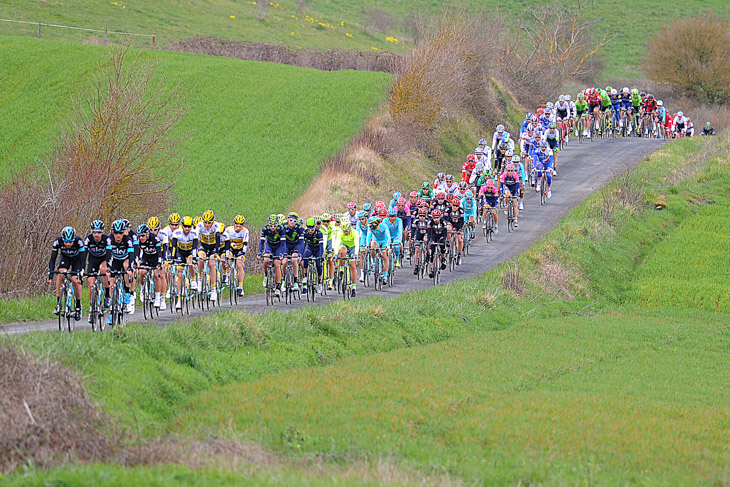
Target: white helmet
{"x":509,"y":153}
{"x":478,"y":150}
{"x":500,"y":128}
{"x":614,"y":92}
{"x":516,"y":158}
{"x":549,"y":104}
{"x":567,"y":97}
{"x":680,"y":114}
{"x":659,"y":103}
{"x":561,"y":98}
{"x":625,"y":91}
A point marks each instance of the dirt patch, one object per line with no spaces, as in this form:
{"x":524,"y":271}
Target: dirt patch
{"x":46,"y":416}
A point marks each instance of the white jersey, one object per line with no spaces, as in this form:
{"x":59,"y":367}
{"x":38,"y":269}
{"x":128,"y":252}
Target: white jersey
{"x":552,"y":134}
{"x":440,"y":186}
{"x":237,"y":240}
{"x":165,"y":234}
{"x":680,"y":120}
{"x":487,"y":156}
{"x":450,"y":190}
{"x":495,"y":138}
{"x":207,"y":235}
{"x":185,"y":242}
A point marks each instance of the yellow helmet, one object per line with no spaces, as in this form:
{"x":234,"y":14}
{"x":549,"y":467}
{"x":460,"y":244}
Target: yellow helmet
{"x":208,"y":216}
{"x":197,"y":220}
{"x":345,"y":226}
{"x":326,"y":217}
{"x":153,"y":223}
{"x":239,"y":220}
{"x":174,"y":218}
{"x":187,"y":221}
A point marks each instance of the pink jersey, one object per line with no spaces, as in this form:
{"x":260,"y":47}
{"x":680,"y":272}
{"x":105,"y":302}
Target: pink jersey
{"x":486,"y":189}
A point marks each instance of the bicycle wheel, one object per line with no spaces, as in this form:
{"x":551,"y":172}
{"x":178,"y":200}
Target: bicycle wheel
{"x":70,"y":309}
{"x":436,"y":266}
{"x":377,"y":269}
{"x":344,"y":288}
{"x":144,"y":290}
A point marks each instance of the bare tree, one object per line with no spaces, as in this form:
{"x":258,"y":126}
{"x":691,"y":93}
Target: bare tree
{"x":551,"y":45}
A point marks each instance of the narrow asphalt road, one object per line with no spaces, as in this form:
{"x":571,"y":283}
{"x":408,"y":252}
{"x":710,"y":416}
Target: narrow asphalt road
{"x":582,"y":169}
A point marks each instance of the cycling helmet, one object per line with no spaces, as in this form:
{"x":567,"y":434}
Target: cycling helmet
{"x":396,"y":195}
{"x":634,"y":92}
{"x":327,"y":217}
{"x":463,"y":185}
{"x":436,"y":213}
{"x":534,"y":119}
{"x":208,"y":216}
{"x":478,"y":151}
{"x":553,"y":125}
{"x":382,"y":212}
{"x":118,"y":226}
{"x":293,"y":214}
{"x":608,"y":89}
{"x":561,"y":98}
{"x":502,"y":146}
{"x":68,"y":234}
{"x":549,"y":105}
{"x":440,"y":176}
{"x":543,"y":144}
{"x":379,"y":204}
{"x":367,"y":207}
{"x":581,"y":95}
{"x":413,"y":194}
{"x":310,"y":223}
{"x":688,"y":120}
{"x":455,"y":202}
{"x":362,"y":214}
{"x":273,"y":220}
{"x":143,"y":229}
{"x":449,"y":177}
{"x":505,"y":137}
{"x":708,"y":124}
{"x":345,"y":226}
{"x":516,"y":159}
{"x":540,"y":111}
{"x":660,"y":103}
{"x":509,"y":153}
{"x":440,"y":195}
{"x":126,"y":223}
{"x":351,"y":205}
{"x":392,"y":212}
{"x":490,"y":182}
{"x":510,"y":167}
{"x":500,"y":128}
{"x":153,"y":223}
{"x":625,"y":90}
{"x":614,"y":92}
{"x":567,"y":97}
{"x":471,"y":157}
{"x":650,"y":96}
{"x":538,"y":134}
{"x":680,"y":114}
{"x":239,"y":220}
{"x":280,"y":218}
{"x":197,"y":220}
{"x":642,"y":94}
{"x":401,"y":201}
{"x":425,"y":185}
{"x":174,"y":218}
{"x":187,"y":221}
{"x":99,"y":225}
{"x":373,"y":221}
{"x":423,"y":211}
{"x":469,"y":195}
{"x":482,"y":142}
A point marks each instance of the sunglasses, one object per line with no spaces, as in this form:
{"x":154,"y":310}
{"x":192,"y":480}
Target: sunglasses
{"x":187,"y":226}
{"x":96,"y":231}
{"x":174,"y":224}
{"x":118,"y":233}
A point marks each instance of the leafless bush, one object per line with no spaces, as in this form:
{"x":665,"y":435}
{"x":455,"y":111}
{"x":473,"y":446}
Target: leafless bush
{"x":332,"y":60}
{"x":263,"y":7}
{"x":46,"y":416}
{"x":692,"y":54}
{"x":553,"y":44}
{"x":303,"y":4}
{"x":625,"y":192}
{"x":378,"y":20}
{"x":445,"y":75}
{"x":112,"y":159}
{"x":512,"y":280}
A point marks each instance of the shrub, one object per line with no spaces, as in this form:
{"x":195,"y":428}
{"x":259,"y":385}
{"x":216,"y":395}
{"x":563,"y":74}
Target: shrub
{"x":692,"y":54}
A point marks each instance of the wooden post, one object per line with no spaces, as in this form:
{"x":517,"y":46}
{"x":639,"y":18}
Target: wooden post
{"x":154,"y":40}
{"x":39,"y":30}
{"x":105,"y":33}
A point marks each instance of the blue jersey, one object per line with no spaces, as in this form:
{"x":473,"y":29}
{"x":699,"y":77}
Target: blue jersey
{"x":272,"y":237}
{"x":395,"y":229}
{"x":470,"y":207}
{"x":380,"y":234}
{"x":405,"y":217}
{"x":615,"y":100}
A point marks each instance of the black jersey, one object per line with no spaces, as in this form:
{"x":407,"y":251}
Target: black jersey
{"x":435,"y":205}
{"x":98,"y":249}
{"x":419,"y":229}
{"x":122,"y":250}
{"x":455,"y":218}
{"x":77,"y":251}
{"x":437,"y":231}
{"x":152,"y":248}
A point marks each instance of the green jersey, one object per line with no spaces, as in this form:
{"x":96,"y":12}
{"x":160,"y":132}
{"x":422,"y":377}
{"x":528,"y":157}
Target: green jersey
{"x":427,"y":194}
{"x":605,"y":99}
{"x":636,"y":101}
{"x":581,"y":106}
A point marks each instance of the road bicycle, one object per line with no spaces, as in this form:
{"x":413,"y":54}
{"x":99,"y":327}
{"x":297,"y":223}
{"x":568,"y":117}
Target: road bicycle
{"x":312,"y":278}
{"x":118,"y":309}
{"x":233,"y":280}
{"x":67,"y":301}
{"x":97,"y":303}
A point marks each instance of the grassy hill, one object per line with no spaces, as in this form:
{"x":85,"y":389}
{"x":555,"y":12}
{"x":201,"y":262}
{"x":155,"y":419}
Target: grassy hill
{"x":324,"y":24}
{"x":257,"y":130}
{"x":574,"y":380}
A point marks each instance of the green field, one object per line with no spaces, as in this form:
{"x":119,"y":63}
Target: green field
{"x":285,"y":24}
{"x":258,"y":131}
{"x":564,"y":385}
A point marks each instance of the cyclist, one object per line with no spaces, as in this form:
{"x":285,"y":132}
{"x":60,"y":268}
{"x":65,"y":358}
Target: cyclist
{"x":468,"y":167}
{"x":362,"y":229}
{"x":661,"y":117}
{"x":440,"y":203}
{"x":489,"y":199}
{"x":313,"y":248}
{"x":450,"y":187}
{"x":183,"y":247}
{"x":440,"y":179}
{"x":581,"y":111}
{"x":648,"y":107}
{"x":499,"y":156}
{"x":690,"y":129}
{"x":352,"y":213}
{"x":236,"y":246}
{"x":469,"y":205}
{"x":552,"y":137}
{"x":593,"y":97}
{"x":348,"y":247}
{"x":454,"y":218}
{"x":150,"y":248}
{"x":562,"y":114}
{"x":436,"y":236}
{"x":209,"y":236}
{"x":328,"y":231}
{"x":615,"y":105}
{"x":483,"y":157}
{"x":426,"y":192}
{"x":98,"y":251}
{"x":122,"y":259}
{"x":636,"y":103}
{"x":395,"y":226}
{"x":543,"y":160}
{"x":419,"y":234}
{"x":497,"y":137}
{"x":394,"y":201}
{"x":379,"y":241}
{"x":271,"y":248}
{"x":520,"y":169}
{"x":154,"y":223}
{"x":708,"y":129}
{"x":679,"y":125}
{"x":625,"y":101}
{"x":294,"y":239}
{"x":73,"y":258}
{"x":605,"y":106}
{"x":511,"y":186}
{"x":527,"y":122}
{"x":481,"y":145}
{"x":405,"y":217}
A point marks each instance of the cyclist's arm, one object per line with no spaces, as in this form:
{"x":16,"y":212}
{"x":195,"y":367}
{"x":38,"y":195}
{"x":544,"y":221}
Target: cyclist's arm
{"x":261,"y":243}
{"x":52,"y":262}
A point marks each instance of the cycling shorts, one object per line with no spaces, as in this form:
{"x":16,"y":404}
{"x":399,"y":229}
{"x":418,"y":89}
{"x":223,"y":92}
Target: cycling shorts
{"x":73,"y":264}
{"x":514,"y":189}
{"x":235,"y":253}
{"x":350,"y":254}
{"x":149,"y":261}
{"x":181,"y":256}
{"x":117,"y":265}
{"x":606,"y":108}
{"x":310,"y":251}
{"x":276,"y":250}
{"x":592,"y":106}
{"x":626,"y":105}
{"x":552,"y":143}
{"x":579,"y":113}
{"x":295,"y":248}
{"x":383,"y":244}
{"x":93,"y":264}
{"x":491,"y":201}
{"x":210,"y":250}
{"x":562,"y":114}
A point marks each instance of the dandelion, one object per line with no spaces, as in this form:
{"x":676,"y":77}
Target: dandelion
{"x":292,"y":33}
{"x":124,"y":6}
{"x":392,"y":39}
{"x":374,"y":48}
{"x":342,"y":23}
{"x":348,"y":34}
{"x":115,"y":3}
{"x":233,"y":16}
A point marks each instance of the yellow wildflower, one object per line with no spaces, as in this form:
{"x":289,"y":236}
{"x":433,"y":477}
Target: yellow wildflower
{"x":348,"y":34}
{"x":392,"y":39}
{"x":342,"y":23}
{"x":292,"y":33}
{"x":233,"y":16}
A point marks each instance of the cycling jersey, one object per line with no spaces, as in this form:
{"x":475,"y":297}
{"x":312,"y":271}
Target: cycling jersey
{"x":237,"y":242}
{"x":581,"y":106}
{"x":72,"y":258}
{"x":122,"y":250}
{"x":636,"y":101}
{"x":396,"y":230}
{"x":184,"y":242}
{"x":100,"y":248}
{"x":419,"y":229}
{"x":381,"y":235}
{"x":405,"y":217}
{"x":352,"y":217}
{"x":209,"y":237}
{"x":470,"y":207}
{"x":467,"y":169}
{"x":427,"y":195}
{"x":150,"y":251}
{"x":489,"y":195}
{"x":455,"y":217}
